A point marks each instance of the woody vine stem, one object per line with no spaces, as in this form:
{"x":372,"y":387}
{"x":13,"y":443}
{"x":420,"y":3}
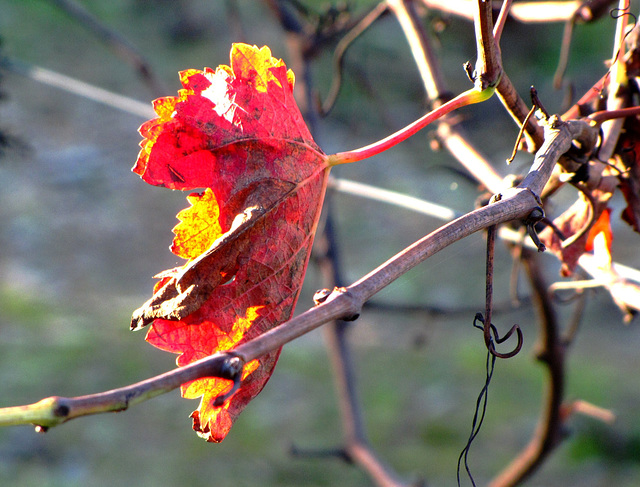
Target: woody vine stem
{"x":342,"y":303}
{"x":550,"y":140}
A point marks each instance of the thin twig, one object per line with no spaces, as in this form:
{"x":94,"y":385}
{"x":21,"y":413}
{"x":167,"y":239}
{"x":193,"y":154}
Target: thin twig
{"x":517,"y":108}
{"x":501,"y":20}
{"x":119,"y":44}
{"x":53,"y":411}
{"x":79,"y":88}
{"x":604,"y":115}
{"x":520,"y":134}
{"x":565,"y":48}
{"x":341,"y":49}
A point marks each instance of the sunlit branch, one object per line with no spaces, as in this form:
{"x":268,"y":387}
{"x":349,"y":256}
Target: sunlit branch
{"x":500,"y":21}
{"x":587,"y":261}
{"x":394,"y":198}
{"x":423,"y":55}
{"x":79,"y":88}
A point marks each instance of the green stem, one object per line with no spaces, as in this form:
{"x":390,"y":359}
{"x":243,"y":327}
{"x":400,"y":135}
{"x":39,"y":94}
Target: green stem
{"x":55,"y":410}
{"x":469,"y":97}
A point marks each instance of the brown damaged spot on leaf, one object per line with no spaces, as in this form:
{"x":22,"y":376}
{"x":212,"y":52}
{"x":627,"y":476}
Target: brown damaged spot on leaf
{"x":187,"y":288}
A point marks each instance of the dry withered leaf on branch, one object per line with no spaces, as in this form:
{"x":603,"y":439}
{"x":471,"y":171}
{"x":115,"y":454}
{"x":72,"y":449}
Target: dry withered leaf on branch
{"x":570,"y":223}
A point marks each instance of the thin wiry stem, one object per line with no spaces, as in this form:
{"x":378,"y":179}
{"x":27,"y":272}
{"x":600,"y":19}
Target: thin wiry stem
{"x":551,"y":353}
{"x":340,"y":51}
{"x":115,"y":41}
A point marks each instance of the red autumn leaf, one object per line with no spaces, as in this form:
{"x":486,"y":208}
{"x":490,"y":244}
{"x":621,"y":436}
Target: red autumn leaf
{"x":237,"y":132}
{"x":601,"y":226}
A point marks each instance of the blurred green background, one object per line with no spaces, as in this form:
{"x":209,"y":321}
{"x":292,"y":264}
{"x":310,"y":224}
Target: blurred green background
{"x":81,"y":238}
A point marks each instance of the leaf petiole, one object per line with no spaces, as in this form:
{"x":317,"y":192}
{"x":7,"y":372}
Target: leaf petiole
{"x":468,"y":97}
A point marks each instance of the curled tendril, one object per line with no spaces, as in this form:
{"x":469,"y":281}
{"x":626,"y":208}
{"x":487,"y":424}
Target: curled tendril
{"x":554,"y":228}
{"x":481,"y":403}
{"x":232,"y":370}
{"x":480,"y":411}
{"x":491,"y":337}
{"x":536,"y":215}
{"x":616,"y":13}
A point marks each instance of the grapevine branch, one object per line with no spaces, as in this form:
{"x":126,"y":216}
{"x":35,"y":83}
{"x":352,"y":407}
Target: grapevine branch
{"x":346,"y":302}
{"x":341,"y":303}
{"x":619,"y":274}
